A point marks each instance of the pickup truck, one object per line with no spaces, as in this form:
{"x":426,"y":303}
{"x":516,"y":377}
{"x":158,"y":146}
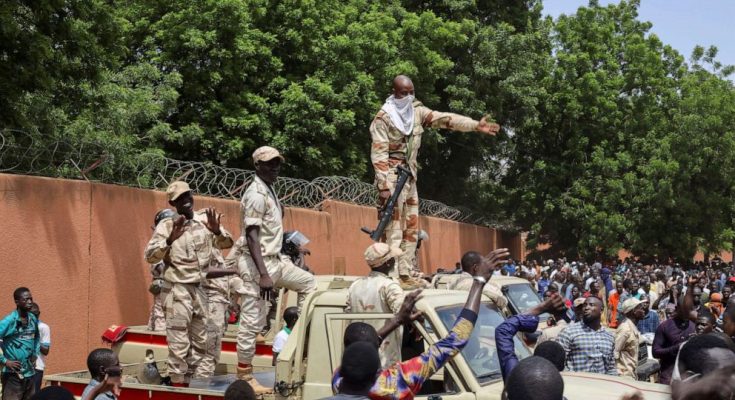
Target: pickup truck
{"x":314,"y":348}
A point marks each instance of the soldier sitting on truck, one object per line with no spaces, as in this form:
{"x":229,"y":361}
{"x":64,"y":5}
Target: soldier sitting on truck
{"x":404,"y":380}
{"x":471,"y":261}
{"x":378,"y":293}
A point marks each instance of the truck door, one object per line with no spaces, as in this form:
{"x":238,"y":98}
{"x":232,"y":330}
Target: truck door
{"x":443,"y":385}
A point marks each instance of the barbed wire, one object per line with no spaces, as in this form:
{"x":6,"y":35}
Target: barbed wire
{"x":100,"y":160}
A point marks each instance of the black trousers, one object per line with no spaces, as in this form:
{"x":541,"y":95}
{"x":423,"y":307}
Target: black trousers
{"x":38,"y":380}
{"x":16,"y":388}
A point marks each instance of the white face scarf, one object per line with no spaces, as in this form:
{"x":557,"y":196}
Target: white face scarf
{"x":400,"y":112}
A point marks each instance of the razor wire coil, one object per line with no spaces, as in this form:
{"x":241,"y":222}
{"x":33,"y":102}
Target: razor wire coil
{"x":98,"y":160}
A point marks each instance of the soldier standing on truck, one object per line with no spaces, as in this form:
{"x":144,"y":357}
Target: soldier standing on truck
{"x":218,"y":291}
{"x":396,"y":137}
{"x":378,"y":293}
{"x":157,"y":319}
{"x":186,"y":244}
{"x":471,"y":261}
{"x":261,"y":264}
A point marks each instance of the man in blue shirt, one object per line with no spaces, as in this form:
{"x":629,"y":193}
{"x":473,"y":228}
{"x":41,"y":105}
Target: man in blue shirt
{"x":510,"y":267}
{"x":528,"y":322}
{"x":104,"y":367}
{"x":21,"y":345}
{"x":650,"y":323}
{"x":543,"y":283}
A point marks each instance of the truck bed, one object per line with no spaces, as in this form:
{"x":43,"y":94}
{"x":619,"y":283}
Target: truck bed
{"x":199,"y":389}
{"x":138,"y":339}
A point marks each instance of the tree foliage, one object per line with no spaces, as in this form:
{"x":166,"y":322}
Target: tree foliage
{"x":612,"y":139}
{"x":635,"y":147}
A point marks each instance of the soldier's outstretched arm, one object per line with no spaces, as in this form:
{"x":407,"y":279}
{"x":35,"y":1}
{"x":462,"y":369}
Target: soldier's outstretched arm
{"x":456,"y":122}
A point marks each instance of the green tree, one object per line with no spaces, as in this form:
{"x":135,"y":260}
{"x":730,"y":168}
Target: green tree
{"x":618,"y":161}
{"x":309,"y":77}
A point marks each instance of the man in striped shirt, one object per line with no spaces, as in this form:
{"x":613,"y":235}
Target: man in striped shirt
{"x":589,"y":346}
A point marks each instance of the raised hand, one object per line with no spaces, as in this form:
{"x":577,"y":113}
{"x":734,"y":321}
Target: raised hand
{"x":694,"y":279}
{"x":490,"y":128}
{"x":493,"y":261}
{"x":554,"y":304}
{"x":408,"y":313}
{"x":213,"y":220}
{"x":177,"y":231}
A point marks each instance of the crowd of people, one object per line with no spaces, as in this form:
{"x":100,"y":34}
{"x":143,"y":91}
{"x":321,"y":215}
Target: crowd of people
{"x":600,"y":313}
{"x":684,"y":313}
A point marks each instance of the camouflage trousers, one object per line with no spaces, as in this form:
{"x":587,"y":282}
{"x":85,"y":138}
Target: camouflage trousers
{"x":403,"y":229}
{"x":157,"y":319}
{"x":185,"y":306}
{"x":253,"y":309}
{"x":216,"y":327}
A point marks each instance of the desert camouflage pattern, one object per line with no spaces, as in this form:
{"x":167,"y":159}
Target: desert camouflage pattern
{"x":218,"y":300}
{"x":390,"y":148}
{"x":186,"y":310}
{"x":377,"y":293}
{"x":260,"y":207}
{"x":253,"y":309}
{"x":188,"y":257}
{"x":157,"y":319}
{"x":216,"y":327}
{"x":217,"y":289}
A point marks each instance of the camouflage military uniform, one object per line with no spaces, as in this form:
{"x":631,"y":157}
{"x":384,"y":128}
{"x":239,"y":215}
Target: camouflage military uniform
{"x":390,"y":148}
{"x":464,"y":282}
{"x":184,"y":300}
{"x":260,"y":207}
{"x":157,"y":319}
{"x":377,"y":293}
{"x":218,"y":301}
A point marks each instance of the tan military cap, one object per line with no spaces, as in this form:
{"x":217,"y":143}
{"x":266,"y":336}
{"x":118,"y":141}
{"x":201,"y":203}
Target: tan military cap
{"x":266,"y":153}
{"x":176,"y":189}
{"x":630,"y":305}
{"x":378,"y":253}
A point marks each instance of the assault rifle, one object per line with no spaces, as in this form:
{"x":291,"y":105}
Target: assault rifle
{"x":386,"y":213}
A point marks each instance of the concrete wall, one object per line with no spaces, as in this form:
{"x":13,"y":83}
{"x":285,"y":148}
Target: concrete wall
{"x":78,"y":246}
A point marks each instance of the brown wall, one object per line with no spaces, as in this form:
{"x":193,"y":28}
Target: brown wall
{"x":78,"y":246}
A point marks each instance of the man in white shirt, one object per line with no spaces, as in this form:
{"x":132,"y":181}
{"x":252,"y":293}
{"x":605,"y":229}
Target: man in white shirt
{"x":45,"y":338}
{"x":290,"y":316}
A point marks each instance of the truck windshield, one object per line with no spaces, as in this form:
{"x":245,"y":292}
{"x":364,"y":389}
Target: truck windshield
{"x":480,"y":350}
{"x":522,"y":298}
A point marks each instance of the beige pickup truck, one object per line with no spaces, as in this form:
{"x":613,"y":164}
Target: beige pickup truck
{"x":314,"y":348}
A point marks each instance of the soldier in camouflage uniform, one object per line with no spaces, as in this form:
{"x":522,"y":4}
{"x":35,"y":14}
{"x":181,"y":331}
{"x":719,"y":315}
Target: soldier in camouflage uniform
{"x":378,"y":293}
{"x":218,"y":291}
{"x":471,"y":261}
{"x":261,"y":264}
{"x":185,"y":245}
{"x":396,"y":137}
{"x":157,"y":319}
